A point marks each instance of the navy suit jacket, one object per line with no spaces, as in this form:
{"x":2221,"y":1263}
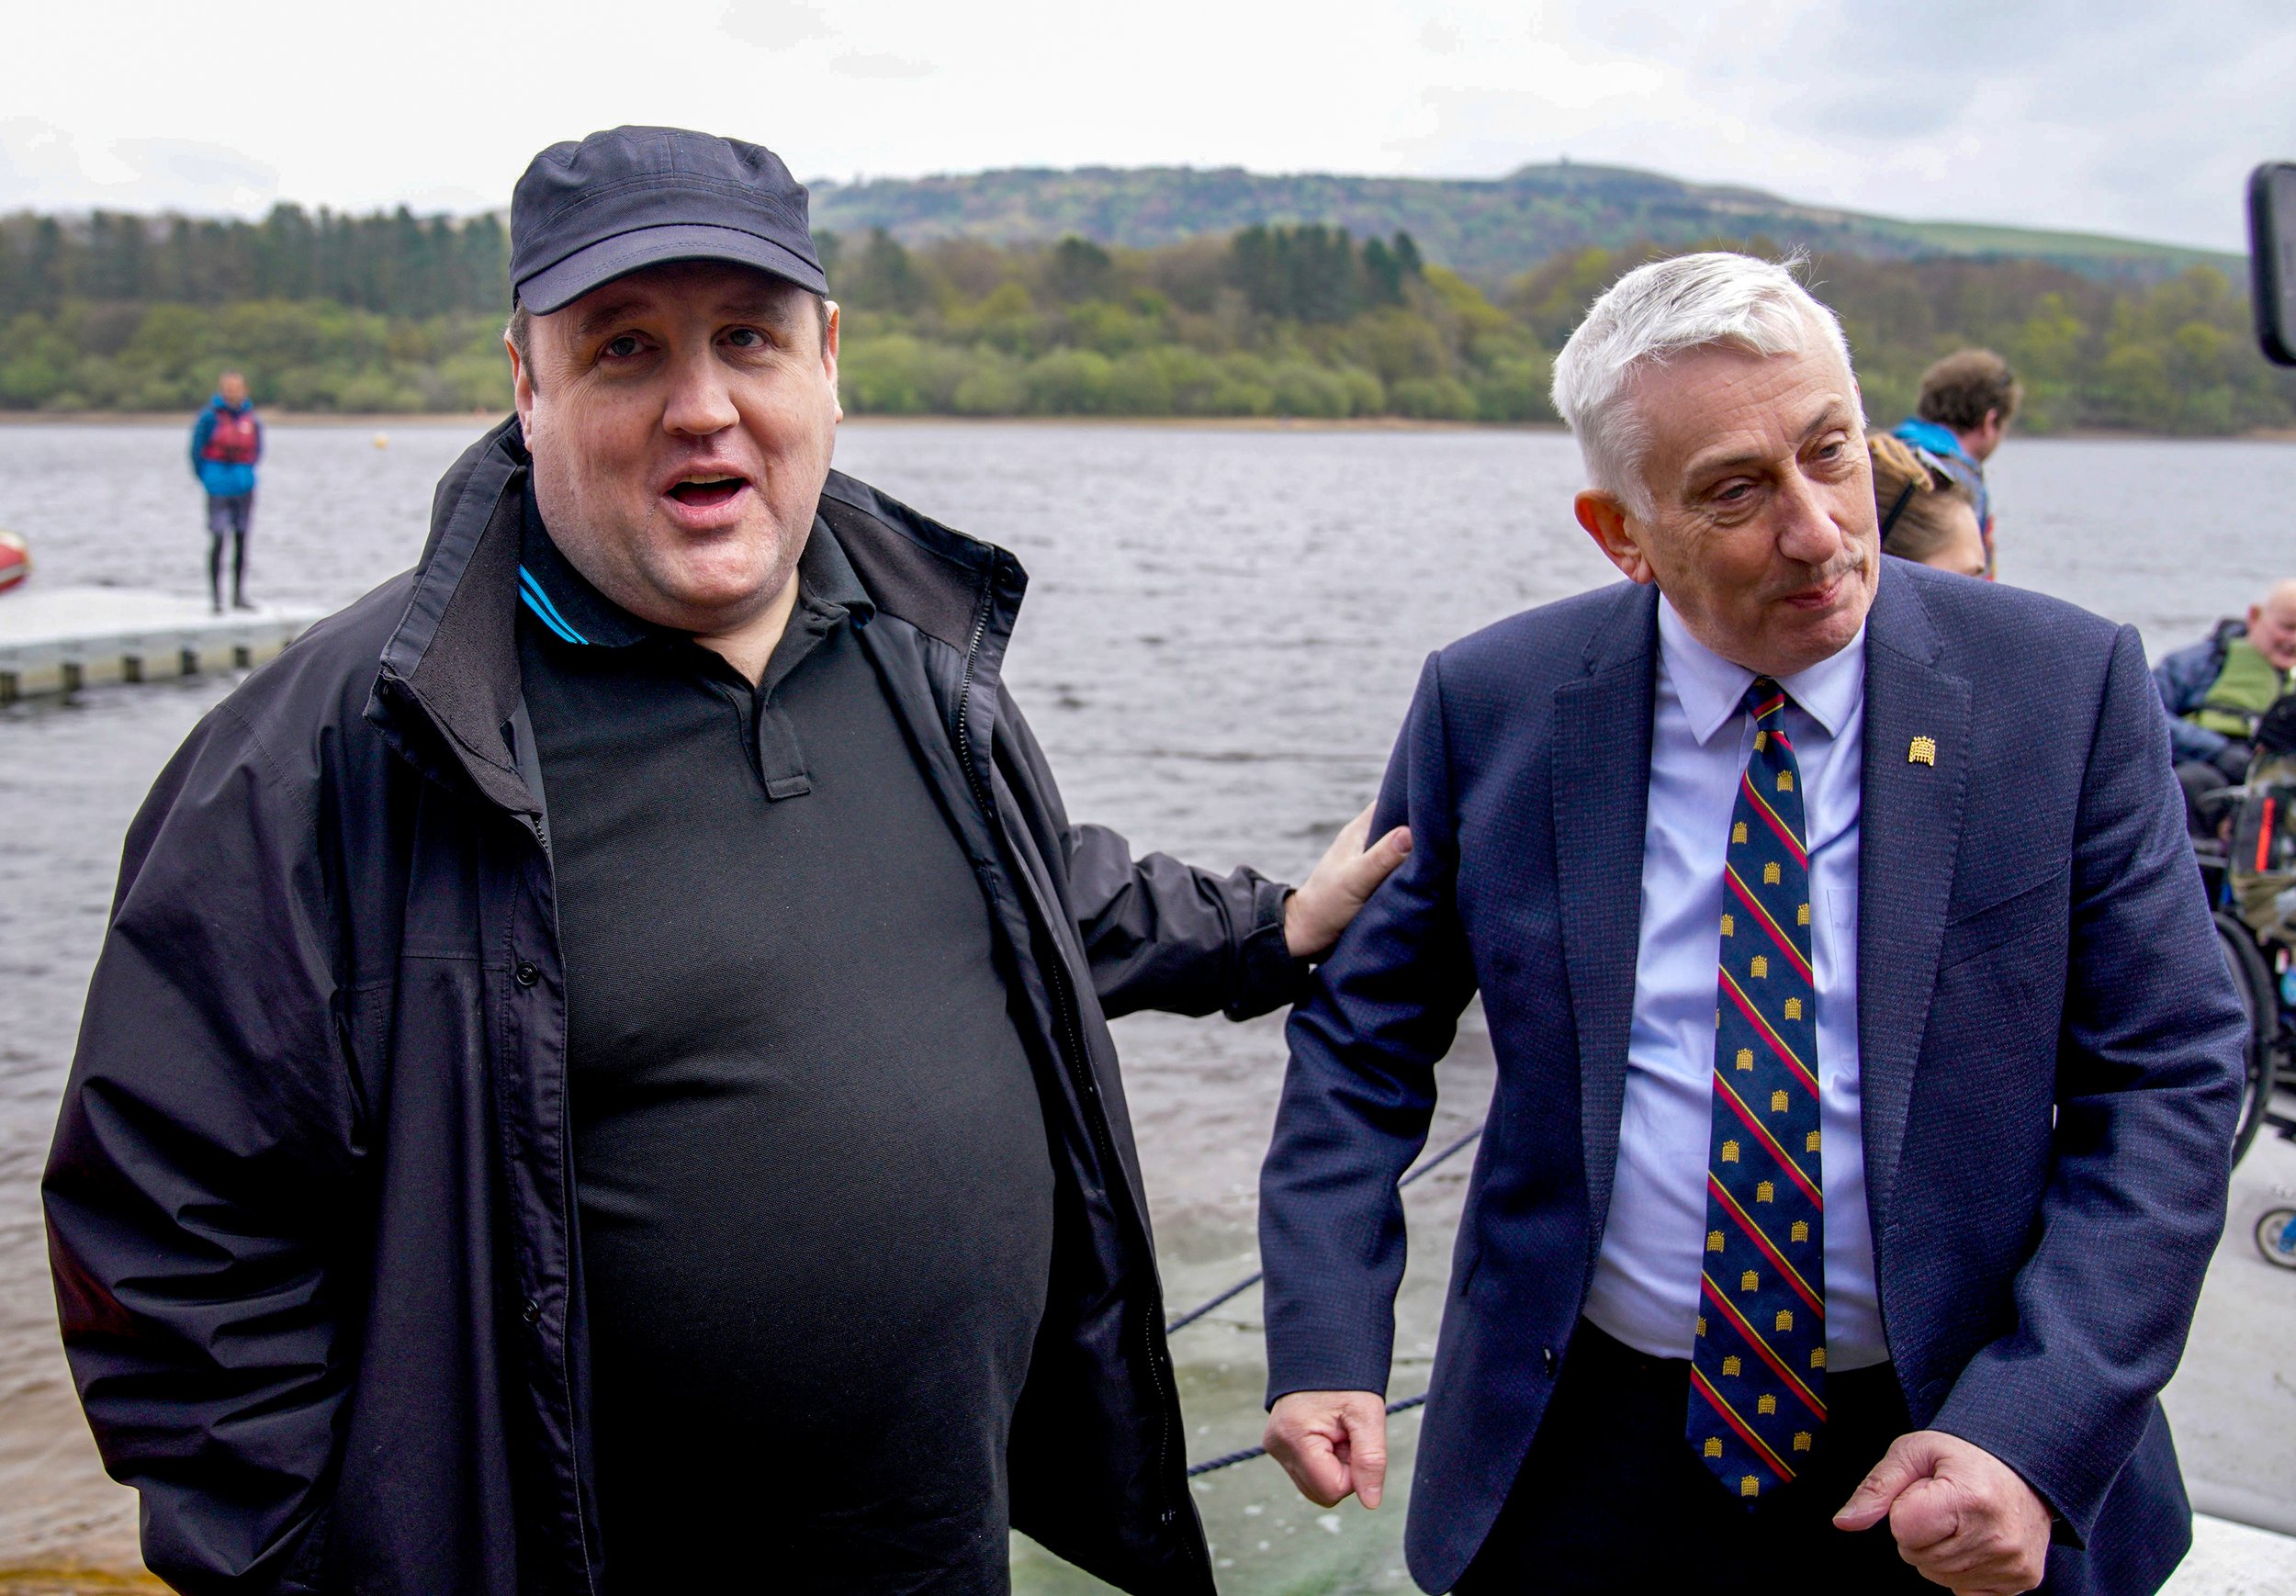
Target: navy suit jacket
{"x":2049,"y":1044}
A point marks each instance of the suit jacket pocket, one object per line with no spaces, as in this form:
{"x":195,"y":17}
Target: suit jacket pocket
{"x":2020,"y":915}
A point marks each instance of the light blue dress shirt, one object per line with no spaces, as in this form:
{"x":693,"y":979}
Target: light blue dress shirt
{"x":1645,"y":1278}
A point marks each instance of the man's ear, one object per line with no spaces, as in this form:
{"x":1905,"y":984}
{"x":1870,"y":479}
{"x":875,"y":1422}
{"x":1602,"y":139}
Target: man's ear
{"x":522,"y":388}
{"x":1613,"y":533}
{"x":830,"y":333}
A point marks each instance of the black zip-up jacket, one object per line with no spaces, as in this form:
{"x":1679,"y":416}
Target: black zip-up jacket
{"x":311,"y":1207}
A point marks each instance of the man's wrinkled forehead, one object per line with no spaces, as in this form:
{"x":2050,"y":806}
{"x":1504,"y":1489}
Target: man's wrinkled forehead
{"x":1753,"y":448}
{"x":1721,"y":408}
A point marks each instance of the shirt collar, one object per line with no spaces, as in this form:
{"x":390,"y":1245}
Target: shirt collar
{"x":570,"y":609}
{"x":1712,"y":689}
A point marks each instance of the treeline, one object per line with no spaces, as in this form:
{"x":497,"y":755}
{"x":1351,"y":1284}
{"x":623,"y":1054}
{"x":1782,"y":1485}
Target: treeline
{"x":1273,"y":321}
{"x":393,"y":262}
{"x":392,"y":313}
{"x":1307,"y":322}
{"x":2175,"y":356}
{"x":324,"y":312}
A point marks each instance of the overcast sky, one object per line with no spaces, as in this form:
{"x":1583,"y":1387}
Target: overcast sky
{"x":2120,"y":116}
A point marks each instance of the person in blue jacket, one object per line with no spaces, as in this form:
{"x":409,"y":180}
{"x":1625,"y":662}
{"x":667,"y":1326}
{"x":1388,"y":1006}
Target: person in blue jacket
{"x":1962,"y":412}
{"x":225,"y":443}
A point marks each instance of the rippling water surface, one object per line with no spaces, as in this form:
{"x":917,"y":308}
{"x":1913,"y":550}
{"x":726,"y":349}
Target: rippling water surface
{"x":1221,"y":634}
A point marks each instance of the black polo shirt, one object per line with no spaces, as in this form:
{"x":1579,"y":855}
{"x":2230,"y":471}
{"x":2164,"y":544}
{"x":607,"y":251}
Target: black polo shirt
{"x":814,"y":1190}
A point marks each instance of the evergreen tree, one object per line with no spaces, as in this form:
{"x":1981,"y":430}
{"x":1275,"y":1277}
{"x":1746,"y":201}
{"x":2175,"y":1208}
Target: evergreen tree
{"x":1078,"y":270}
{"x":1382,"y":274}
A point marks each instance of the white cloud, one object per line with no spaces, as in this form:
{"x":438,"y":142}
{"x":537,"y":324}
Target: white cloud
{"x":879,"y":64}
{"x":778,"y":24}
{"x":46,"y":165}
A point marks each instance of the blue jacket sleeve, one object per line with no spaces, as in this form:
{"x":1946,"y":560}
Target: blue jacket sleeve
{"x":200,"y":431}
{"x":203,"y":1174}
{"x":2183,"y":680}
{"x":2148,"y":1086}
{"x":1360,"y":1091}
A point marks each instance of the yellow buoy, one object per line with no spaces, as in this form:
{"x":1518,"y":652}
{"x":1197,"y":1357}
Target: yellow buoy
{"x":382,"y":440}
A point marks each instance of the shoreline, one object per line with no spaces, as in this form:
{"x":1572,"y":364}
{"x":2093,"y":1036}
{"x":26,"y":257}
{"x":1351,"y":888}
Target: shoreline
{"x":441,"y":420}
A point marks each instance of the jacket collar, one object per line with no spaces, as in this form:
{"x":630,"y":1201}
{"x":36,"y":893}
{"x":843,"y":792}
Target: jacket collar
{"x":1936,"y":439}
{"x":1600,"y":793}
{"x":452,"y":663}
{"x":560,"y":597}
{"x":1913,"y":791}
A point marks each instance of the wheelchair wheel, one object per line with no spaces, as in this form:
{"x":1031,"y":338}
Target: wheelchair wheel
{"x":2273,"y":1237}
{"x":2262,"y":1001}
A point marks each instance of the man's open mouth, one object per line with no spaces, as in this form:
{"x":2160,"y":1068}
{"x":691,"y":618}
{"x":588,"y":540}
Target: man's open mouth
{"x":704,"y":493}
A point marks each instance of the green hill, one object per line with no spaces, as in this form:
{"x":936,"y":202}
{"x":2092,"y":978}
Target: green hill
{"x":1487,"y":229}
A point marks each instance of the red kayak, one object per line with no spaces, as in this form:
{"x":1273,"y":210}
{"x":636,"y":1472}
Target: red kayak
{"x":15,"y":561}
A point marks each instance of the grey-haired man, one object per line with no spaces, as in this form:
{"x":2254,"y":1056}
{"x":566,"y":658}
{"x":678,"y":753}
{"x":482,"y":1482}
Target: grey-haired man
{"x":1863,"y":1110}
{"x":599,"y":1079}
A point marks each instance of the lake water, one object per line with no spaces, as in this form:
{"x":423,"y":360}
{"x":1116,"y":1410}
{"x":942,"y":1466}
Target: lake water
{"x":1220,"y":636}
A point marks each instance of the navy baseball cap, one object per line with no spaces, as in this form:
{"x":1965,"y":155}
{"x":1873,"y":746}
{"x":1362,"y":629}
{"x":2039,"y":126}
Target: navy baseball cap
{"x":585,"y":213}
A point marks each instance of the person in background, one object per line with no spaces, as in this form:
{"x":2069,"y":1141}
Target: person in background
{"x":2216,"y":689}
{"x":225,"y":443}
{"x":1962,"y":411}
{"x":1926,"y":516}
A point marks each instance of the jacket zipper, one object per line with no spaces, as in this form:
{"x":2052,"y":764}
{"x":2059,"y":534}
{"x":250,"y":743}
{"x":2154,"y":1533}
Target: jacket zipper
{"x":538,"y":827}
{"x":1064,"y":1000}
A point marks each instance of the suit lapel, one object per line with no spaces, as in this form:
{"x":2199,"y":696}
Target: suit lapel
{"x":1908,"y":839}
{"x":1601,"y":777}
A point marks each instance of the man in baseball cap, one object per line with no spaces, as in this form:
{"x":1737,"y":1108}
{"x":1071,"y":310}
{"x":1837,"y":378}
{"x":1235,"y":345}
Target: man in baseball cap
{"x":585,"y":213}
{"x":599,"y":1078}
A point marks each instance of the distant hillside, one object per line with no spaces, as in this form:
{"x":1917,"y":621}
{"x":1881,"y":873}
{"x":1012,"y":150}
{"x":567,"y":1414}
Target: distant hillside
{"x":1486,"y":230}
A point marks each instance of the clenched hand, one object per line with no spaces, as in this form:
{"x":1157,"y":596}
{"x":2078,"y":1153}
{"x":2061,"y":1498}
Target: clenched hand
{"x":1348,"y":874}
{"x":1333,"y":1443}
{"x":1962,"y":1518}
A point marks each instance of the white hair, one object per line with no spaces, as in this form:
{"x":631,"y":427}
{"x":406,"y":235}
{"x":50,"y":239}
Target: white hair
{"x":1655,"y":312}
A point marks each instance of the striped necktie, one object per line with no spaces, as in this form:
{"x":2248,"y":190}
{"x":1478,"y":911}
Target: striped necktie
{"x":1758,"y":1370}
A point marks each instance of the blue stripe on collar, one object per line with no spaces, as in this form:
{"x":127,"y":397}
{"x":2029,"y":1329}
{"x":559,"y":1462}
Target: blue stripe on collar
{"x":545,"y":610}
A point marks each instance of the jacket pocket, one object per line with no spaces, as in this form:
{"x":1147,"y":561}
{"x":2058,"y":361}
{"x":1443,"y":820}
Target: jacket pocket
{"x":1976,"y":932}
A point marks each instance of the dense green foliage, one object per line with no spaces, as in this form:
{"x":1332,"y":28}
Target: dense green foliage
{"x":1487,"y":229}
{"x":2173,"y":356}
{"x":1290,"y":321}
{"x":391,"y":262}
{"x":389,"y":312}
{"x":325,"y":312}
{"x":1305,"y":322}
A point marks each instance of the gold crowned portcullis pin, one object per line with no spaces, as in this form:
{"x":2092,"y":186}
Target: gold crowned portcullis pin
{"x":1922,"y":752}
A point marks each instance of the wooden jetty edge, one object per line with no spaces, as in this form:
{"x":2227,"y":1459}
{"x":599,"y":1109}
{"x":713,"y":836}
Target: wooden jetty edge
{"x":58,"y":640}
